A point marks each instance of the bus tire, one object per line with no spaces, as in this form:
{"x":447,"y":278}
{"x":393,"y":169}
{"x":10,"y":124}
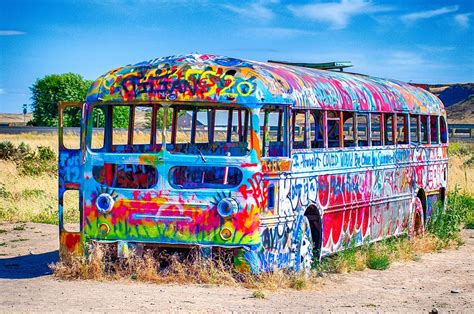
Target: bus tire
{"x":416,"y":226}
{"x":304,"y":247}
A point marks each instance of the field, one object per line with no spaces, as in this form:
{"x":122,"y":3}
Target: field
{"x":350,"y":281}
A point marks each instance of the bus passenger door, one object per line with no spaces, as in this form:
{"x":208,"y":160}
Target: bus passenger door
{"x":70,"y":137}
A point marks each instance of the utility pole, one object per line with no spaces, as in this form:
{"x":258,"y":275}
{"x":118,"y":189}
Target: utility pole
{"x":25,"y":110}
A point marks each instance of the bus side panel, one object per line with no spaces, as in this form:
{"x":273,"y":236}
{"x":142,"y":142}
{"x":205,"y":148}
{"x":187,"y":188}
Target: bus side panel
{"x":344,"y":199}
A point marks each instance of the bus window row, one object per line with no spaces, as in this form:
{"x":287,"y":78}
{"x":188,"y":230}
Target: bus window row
{"x":329,"y":129}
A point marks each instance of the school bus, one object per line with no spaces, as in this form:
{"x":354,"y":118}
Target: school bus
{"x":278,"y":163}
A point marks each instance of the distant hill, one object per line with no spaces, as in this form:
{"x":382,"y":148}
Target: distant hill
{"x":458,"y":100}
{"x":14,"y":118}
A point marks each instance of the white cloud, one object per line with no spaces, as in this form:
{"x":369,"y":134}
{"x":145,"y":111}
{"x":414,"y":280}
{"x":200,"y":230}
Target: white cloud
{"x":257,"y":10}
{"x":405,"y":58}
{"x":11,"y":33}
{"x":436,"y":49}
{"x":337,"y":14}
{"x":282,"y":31}
{"x":463,"y":19}
{"x":415,"y":16}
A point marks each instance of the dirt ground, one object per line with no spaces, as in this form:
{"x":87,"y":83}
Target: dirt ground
{"x":444,"y":281}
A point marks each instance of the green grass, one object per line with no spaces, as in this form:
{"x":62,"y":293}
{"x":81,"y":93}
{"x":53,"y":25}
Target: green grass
{"x":378,"y":261}
{"x":258,"y":294}
{"x":447,"y":224}
{"x":461,"y":149}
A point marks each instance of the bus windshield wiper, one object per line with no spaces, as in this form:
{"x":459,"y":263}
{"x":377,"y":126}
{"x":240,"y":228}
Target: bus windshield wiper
{"x":199,"y":151}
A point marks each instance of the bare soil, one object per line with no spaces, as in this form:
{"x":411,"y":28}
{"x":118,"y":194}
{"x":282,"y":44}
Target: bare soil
{"x":444,"y":281}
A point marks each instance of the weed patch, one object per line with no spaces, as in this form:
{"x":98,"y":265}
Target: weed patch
{"x":378,"y":261}
{"x":19,"y":228}
{"x":258,"y":294}
{"x":446,"y":224}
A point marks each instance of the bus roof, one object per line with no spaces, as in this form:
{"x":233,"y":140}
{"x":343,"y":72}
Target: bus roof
{"x":212,"y":78}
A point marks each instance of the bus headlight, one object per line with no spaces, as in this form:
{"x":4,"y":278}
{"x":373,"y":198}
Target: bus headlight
{"x":227,"y":206}
{"x":104,"y":203}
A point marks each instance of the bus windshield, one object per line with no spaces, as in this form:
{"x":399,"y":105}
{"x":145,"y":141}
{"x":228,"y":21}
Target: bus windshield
{"x":184,"y":129}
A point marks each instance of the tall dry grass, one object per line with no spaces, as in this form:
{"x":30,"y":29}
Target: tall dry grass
{"x":193,"y":269}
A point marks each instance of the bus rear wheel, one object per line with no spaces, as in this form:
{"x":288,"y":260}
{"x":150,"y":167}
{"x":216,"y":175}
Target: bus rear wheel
{"x":304,"y":247}
{"x":416,"y":220}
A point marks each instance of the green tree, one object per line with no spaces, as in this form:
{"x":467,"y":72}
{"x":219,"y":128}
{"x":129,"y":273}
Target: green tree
{"x":160,"y":114}
{"x":51,"y":89}
{"x":121,"y":116}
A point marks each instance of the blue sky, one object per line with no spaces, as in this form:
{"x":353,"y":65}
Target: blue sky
{"x":411,"y":40}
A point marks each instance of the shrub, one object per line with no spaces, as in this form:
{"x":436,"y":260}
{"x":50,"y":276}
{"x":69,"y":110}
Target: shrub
{"x":46,"y":153}
{"x":29,"y":162}
{"x":22,"y":151}
{"x":34,"y":166}
{"x":378,"y":260}
{"x":446,"y":224}
{"x":7,"y":150}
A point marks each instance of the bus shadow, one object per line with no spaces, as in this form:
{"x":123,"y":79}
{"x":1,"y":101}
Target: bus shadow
{"x":27,"y":266}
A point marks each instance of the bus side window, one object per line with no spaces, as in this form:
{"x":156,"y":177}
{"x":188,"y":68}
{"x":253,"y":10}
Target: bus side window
{"x":142,"y":125}
{"x":443,"y":130}
{"x":98,"y":117}
{"x":402,"y":134}
{"x":334,"y":129}
{"x":389,"y":131}
{"x":424,"y":129}
{"x":414,"y":130}
{"x":434,"y":130}
{"x":71,"y":123}
{"x":299,"y":129}
{"x":316,"y":129}
{"x":272,"y":131}
{"x":202,"y":125}
{"x":349,"y":129}
{"x":120,"y":124}
{"x":223,"y":117}
{"x":362,"y":130}
{"x":376,"y":129}
{"x":239,"y":126}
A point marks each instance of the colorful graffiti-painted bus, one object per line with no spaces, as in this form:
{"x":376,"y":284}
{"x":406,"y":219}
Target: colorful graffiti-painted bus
{"x":279,"y":164}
